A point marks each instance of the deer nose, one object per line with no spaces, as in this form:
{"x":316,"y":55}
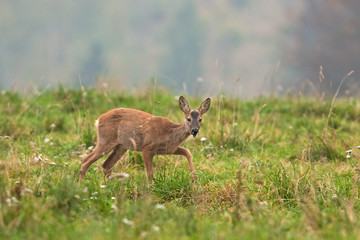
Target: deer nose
{"x":194,"y":132}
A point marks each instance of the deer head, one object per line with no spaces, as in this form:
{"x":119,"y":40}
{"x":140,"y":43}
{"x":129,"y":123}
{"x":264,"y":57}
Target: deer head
{"x":193,"y":118}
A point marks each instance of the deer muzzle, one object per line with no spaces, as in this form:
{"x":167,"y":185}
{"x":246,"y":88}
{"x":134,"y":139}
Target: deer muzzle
{"x":194,"y":132}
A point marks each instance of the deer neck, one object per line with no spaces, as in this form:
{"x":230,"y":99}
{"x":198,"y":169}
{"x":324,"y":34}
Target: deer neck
{"x":181,"y":132}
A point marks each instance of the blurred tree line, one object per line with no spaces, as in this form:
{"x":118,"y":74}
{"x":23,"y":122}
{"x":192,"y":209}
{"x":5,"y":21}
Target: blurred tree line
{"x":236,"y":47}
{"x":326,"y":36}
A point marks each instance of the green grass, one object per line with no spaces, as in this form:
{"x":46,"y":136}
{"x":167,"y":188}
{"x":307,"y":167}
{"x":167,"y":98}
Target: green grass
{"x":269,"y":168}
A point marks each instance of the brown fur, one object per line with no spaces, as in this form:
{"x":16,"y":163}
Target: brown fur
{"x":125,"y":129}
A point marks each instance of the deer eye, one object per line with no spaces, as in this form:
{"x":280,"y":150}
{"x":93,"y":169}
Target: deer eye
{"x":200,"y":120}
{"x":189,"y":119}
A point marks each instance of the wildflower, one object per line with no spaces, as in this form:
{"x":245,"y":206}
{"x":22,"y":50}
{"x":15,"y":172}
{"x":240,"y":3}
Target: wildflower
{"x":95,"y":193}
{"x":128,"y":222}
{"x":113,"y":198}
{"x":102,"y":186}
{"x":46,"y":140}
{"x":27,"y":191}
{"x":348,"y":156}
{"x":52,"y":126}
{"x":358,"y":146}
{"x":160,"y":206}
{"x":203,"y":139}
{"x":52,"y":163}
{"x":349,"y":151}
{"x":90,"y":148}
{"x":264,"y":204}
{"x":121,"y":176}
{"x":155,"y":228}
{"x":114,"y":208}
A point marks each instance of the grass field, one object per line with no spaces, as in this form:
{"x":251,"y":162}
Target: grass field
{"x":269,"y":168}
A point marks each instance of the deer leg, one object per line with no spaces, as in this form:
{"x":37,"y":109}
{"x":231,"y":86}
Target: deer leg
{"x":148,"y":157}
{"x":112,"y":159}
{"x":187,"y":154}
{"x":97,"y":153}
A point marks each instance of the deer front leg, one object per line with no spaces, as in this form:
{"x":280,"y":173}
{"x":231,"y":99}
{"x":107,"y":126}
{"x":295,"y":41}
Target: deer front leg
{"x":148,"y":161}
{"x":187,"y":154}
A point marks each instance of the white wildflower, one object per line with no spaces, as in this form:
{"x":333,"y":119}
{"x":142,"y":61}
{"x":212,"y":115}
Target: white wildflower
{"x":348,"y":156}
{"x":113,"y":198}
{"x":52,"y":126}
{"x":27,"y":191}
{"x":349,"y":151}
{"x":203,"y":139}
{"x":102,"y":186}
{"x":155,"y":228}
{"x":95,"y":193}
{"x":46,"y":140}
{"x":121,"y":176}
{"x":114,"y":207}
{"x":90,"y":148}
{"x":128,"y":222}
{"x":160,"y":206}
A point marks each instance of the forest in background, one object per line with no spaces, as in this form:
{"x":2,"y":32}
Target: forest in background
{"x":241,"y":48}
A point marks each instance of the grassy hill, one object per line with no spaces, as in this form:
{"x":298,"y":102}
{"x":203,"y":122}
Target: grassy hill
{"x":269,"y":168}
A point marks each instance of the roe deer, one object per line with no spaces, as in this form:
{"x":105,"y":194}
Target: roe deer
{"x":123,"y":129}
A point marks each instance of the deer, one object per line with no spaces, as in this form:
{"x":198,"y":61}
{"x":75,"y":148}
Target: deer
{"x":122,"y":129}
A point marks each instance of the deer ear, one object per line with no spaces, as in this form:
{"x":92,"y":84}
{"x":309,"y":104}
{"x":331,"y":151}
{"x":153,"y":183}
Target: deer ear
{"x":205,"y":106}
{"x":184,"y":105}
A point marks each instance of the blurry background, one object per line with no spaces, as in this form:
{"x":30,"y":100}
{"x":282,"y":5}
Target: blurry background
{"x":241,"y":48}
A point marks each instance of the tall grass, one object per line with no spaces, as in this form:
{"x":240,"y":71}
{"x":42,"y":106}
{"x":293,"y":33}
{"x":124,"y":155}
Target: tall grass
{"x":268,"y":168}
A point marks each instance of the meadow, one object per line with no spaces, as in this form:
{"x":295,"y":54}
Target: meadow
{"x":271,"y":167}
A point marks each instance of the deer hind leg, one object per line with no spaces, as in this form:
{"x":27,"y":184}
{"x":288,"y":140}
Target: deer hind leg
{"x":148,"y":161}
{"x":187,"y":154}
{"x":98,"y":152}
{"x":116,"y":154}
